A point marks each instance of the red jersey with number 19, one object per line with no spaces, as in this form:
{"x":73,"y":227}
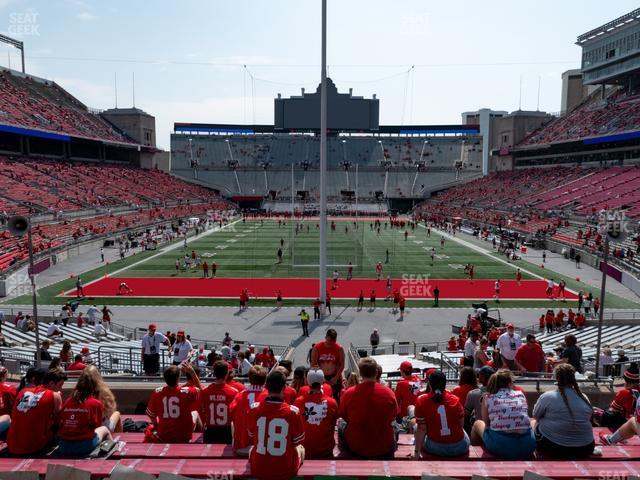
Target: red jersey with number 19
{"x":170,"y":408}
{"x":239,"y":411}
{"x":276,"y":429}
{"x":215,"y":403}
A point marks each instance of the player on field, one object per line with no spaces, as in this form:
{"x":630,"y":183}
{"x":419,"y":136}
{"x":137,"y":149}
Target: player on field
{"x":440,"y":417}
{"x":329,"y":357}
{"x":350,"y":271}
{"x":379,"y":271}
{"x":360,"y":300}
{"x":472,"y":269}
{"x":433,"y":255}
{"x":277,"y":433}
{"x":319,"y":413}
{"x":173,"y":410}
{"x":441,"y":242}
{"x":372,"y":300}
{"x":240,"y":408}
{"x":497,"y":290}
{"x":215,"y":403}
{"x":35,"y":413}
{"x":279,"y":299}
{"x":519,"y":277}
{"x":550,"y":286}
{"x":561,"y":289}
{"x":335,"y":275}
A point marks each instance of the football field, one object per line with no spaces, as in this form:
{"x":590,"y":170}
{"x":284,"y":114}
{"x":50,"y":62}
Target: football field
{"x":246,"y":256}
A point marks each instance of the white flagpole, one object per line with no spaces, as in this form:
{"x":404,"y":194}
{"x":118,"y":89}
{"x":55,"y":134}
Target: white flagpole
{"x":323,"y":158}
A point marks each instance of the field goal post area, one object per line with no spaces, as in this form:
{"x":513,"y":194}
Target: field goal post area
{"x":342,"y":247}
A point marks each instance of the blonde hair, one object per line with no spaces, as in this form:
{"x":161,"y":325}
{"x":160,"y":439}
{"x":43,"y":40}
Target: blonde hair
{"x":353,"y":380}
{"x":100,"y":390}
{"x":501,"y":379}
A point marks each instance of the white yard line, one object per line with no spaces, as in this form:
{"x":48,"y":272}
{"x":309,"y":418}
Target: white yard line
{"x":490,"y":255}
{"x":162,"y":251}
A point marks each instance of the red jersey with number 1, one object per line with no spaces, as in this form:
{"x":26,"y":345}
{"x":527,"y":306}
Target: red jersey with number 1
{"x":170,"y":408}
{"x":240,"y":409}
{"x":215,"y":404}
{"x":276,"y":430}
{"x":441,"y":419}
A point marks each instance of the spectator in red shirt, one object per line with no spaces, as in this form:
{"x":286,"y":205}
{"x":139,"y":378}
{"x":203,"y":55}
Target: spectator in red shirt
{"x":173,"y":410}
{"x":467,"y":382}
{"x":215,"y":403}
{"x":277,"y":434}
{"x":530,"y":356}
{"x":241,"y":405}
{"x":77,"y":364}
{"x":81,"y":419}
{"x":624,"y":403}
{"x":329,"y":357}
{"x":408,"y":389}
{"x":440,"y":418}
{"x":35,"y":413}
{"x":7,"y":398}
{"x":319,"y":413}
{"x":368,"y":410}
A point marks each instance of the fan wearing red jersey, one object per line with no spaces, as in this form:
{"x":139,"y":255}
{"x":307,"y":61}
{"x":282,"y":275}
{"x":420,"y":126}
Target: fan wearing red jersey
{"x":289,"y":393}
{"x":7,"y":398}
{"x":173,"y":410}
{"x":241,"y":405}
{"x":368,"y":411}
{"x":632,"y":426}
{"x":81,"y":419}
{"x":329,"y":357}
{"x":440,"y":417}
{"x":277,"y":434}
{"x":35,"y":413}
{"x":319,"y":413}
{"x":408,"y":389}
{"x":215,"y":402}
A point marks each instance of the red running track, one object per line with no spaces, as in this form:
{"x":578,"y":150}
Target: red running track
{"x":308,"y":288}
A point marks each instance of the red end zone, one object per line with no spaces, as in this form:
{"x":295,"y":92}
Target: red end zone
{"x":308,"y":288}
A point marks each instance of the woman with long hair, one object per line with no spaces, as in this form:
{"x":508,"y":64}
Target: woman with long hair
{"x":505,"y":428}
{"x":467,"y":382}
{"x":480,"y":359}
{"x":299,"y":375}
{"x":440,"y":418}
{"x":562,"y":418}
{"x":82,"y":424}
{"x":66,"y":355}
{"x":105,"y":395}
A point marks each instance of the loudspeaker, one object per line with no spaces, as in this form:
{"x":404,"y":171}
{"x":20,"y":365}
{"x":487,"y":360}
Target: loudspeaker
{"x":18,"y":225}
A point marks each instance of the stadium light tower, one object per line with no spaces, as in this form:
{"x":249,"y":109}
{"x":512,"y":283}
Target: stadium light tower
{"x":14,"y":43}
{"x":323,"y":158}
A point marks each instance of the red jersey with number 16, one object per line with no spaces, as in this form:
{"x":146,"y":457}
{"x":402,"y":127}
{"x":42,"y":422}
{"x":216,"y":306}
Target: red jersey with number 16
{"x":170,"y":408}
{"x":276,"y":430}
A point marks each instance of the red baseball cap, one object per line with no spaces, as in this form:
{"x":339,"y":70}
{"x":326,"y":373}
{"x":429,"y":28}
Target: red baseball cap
{"x":180,"y":332}
{"x":406,"y":366}
{"x":152,"y":326}
{"x":84,"y":350}
{"x":509,"y":325}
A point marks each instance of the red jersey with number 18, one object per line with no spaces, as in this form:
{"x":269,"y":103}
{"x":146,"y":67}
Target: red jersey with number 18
{"x":215,"y":403}
{"x":276,"y":429}
{"x":170,"y":408}
{"x":239,"y":411}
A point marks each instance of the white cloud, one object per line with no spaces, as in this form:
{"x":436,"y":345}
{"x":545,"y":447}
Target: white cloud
{"x":86,"y":16}
{"x":97,"y":95}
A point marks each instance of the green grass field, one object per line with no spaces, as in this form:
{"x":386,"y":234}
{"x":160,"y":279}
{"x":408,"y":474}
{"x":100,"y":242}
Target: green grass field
{"x":248,"y":250}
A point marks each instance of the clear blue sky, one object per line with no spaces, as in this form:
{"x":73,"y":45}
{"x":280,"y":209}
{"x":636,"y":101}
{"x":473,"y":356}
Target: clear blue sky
{"x":188,"y":55}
